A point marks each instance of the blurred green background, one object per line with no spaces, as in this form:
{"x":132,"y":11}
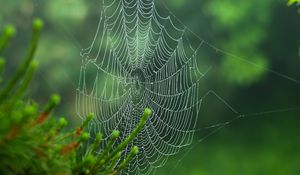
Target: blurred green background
{"x":265,"y":33}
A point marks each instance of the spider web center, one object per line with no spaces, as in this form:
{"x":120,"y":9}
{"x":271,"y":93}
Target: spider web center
{"x":136,"y":86}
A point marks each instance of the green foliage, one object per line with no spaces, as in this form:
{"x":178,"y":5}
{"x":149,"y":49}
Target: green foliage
{"x":32,"y":142}
{"x":292,"y":2}
{"x":244,"y":38}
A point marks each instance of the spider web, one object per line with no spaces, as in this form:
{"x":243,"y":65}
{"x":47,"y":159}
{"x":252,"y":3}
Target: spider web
{"x":139,"y":58}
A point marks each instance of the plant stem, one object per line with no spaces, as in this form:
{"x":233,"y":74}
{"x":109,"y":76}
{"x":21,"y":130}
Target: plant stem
{"x":8,"y":33}
{"x":37,"y":26}
{"x":138,"y":128}
{"x":27,"y":79}
{"x":132,"y":153}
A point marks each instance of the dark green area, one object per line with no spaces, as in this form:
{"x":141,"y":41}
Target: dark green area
{"x":264,"y":33}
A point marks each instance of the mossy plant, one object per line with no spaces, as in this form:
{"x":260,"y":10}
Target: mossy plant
{"x":33,"y":142}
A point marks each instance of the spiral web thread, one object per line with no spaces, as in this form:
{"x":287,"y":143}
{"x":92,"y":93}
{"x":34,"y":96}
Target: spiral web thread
{"x":137,"y":59}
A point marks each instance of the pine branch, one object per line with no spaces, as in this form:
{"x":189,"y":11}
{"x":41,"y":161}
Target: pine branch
{"x":37,"y":141}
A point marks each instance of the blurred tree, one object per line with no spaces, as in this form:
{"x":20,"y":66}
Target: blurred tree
{"x":244,"y":24}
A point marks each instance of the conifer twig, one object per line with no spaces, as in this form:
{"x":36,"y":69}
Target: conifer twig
{"x":37,"y":27}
